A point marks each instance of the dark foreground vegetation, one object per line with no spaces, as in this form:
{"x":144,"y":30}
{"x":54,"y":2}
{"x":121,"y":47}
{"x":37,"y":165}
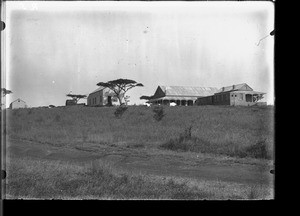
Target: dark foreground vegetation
{"x":32,"y":178}
{"x":232,"y":131}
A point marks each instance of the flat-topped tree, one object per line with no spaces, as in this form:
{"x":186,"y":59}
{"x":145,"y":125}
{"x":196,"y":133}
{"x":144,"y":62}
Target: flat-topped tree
{"x":120,"y":87}
{"x":144,"y":97}
{"x":76,"y":97}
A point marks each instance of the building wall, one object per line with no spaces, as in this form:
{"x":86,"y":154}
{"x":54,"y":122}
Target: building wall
{"x":95,"y":99}
{"x":241,"y":99}
{"x":205,"y":101}
{"x":227,"y":98}
{"x":70,"y":102}
{"x":101,"y":98}
{"x":18,"y":104}
{"x":222,"y":99}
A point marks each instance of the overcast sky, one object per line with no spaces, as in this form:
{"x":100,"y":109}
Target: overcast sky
{"x":53,"y":48}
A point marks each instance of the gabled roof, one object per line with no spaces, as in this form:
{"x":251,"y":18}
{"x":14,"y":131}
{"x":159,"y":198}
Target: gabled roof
{"x":98,"y":89}
{"x":188,"y":91}
{"x":18,"y":100}
{"x":107,"y":91}
{"x":242,"y":86}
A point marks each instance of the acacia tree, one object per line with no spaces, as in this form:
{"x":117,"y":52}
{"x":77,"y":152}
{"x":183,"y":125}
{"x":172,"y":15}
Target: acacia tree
{"x":120,"y":87}
{"x":76,"y":97}
{"x":5,"y":91}
{"x":144,"y":97}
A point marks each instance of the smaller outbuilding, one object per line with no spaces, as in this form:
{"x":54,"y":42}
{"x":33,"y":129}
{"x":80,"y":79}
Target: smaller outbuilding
{"x":102,"y":97}
{"x":18,"y":104}
{"x":235,"y":95}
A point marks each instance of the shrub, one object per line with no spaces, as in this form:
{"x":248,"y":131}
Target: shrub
{"x":40,"y":119}
{"x":187,"y":134}
{"x":258,"y":150}
{"x":184,"y":142}
{"x":16,"y":113}
{"x":29,"y":112}
{"x":57,"y":118}
{"x":158,"y":113}
{"x":120,"y":111}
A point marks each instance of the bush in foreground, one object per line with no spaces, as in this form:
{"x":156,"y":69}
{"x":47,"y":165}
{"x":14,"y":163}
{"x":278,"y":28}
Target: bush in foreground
{"x":186,"y":142}
{"x":120,"y":111}
{"x":158,"y":113}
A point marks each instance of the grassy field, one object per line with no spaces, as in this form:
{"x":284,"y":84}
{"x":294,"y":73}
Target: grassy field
{"x":238,"y":132}
{"x":234,"y":131}
{"x":31,"y":178}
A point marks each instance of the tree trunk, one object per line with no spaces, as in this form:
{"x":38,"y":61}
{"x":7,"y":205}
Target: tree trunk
{"x":120,"y":100}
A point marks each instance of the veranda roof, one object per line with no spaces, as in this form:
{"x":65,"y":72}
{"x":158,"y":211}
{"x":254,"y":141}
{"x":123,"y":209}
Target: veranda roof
{"x":188,"y":91}
{"x":173,"y":98}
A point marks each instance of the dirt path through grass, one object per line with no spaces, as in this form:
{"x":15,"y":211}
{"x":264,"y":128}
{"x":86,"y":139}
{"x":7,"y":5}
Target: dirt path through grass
{"x":151,"y":161}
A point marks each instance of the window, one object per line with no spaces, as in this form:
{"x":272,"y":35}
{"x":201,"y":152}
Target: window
{"x":240,"y":96}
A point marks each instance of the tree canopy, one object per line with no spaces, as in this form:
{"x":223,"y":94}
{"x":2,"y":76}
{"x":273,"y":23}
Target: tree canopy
{"x":144,"y":97}
{"x":5,"y":91}
{"x":120,"y":87}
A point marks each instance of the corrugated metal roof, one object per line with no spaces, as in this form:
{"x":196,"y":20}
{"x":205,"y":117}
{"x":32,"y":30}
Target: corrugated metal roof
{"x":106,"y":92}
{"x":249,"y":92}
{"x":98,"y":89}
{"x":230,"y":88}
{"x":173,"y":98}
{"x":188,"y":91}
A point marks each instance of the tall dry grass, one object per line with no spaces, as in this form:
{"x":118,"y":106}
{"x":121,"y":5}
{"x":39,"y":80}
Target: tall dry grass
{"x":234,"y":131}
{"x":44,"y":179}
{"x":28,"y":178}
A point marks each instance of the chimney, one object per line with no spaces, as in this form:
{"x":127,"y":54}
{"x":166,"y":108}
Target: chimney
{"x":233,"y":87}
{"x":223,"y":88}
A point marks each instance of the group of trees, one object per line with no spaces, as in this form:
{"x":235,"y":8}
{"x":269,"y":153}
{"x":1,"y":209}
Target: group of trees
{"x":119,"y":86}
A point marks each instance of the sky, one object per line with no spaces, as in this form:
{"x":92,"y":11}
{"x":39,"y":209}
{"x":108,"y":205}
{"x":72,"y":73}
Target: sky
{"x":54,"y":48}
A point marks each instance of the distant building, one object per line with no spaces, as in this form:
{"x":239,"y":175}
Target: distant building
{"x":18,"y":104}
{"x":235,"y":95}
{"x":70,"y":102}
{"x":73,"y":102}
{"x":102,"y":97}
{"x":181,"y":95}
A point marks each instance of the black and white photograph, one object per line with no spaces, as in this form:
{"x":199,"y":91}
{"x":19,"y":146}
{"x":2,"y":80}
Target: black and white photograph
{"x":138,"y":100}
